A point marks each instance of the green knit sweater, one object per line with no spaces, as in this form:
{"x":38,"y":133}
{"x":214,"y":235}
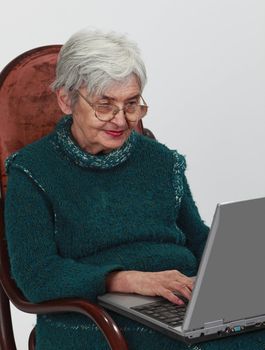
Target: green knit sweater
{"x":72,"y":217}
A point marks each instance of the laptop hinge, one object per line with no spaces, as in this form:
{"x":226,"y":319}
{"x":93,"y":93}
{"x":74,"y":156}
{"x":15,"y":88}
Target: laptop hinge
{"x":216,"y":323}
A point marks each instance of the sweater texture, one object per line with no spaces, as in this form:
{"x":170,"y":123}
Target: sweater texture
{"x":73,"y":217}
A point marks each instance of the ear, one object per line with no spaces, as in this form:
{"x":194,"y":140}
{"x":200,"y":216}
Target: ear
{"x":64,"y":101}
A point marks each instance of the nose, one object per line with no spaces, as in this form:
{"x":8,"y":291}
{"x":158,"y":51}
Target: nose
{"x":120,"y":119}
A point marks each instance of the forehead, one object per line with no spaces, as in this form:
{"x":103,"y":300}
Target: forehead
{"x":122,"y":90}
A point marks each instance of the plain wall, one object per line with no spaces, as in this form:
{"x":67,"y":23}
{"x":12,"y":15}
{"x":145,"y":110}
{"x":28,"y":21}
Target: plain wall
{"x":206,"y":90}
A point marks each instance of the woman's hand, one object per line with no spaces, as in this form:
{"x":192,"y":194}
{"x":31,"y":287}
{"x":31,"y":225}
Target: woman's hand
{"x":163,"y":283}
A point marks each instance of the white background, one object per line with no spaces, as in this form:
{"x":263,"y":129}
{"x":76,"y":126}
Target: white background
{"x":206,"y":90}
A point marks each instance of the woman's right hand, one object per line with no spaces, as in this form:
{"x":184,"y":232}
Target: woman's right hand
{"x":163,"y":283}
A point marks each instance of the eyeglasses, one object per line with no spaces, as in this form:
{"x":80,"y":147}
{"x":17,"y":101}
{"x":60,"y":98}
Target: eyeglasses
{"x":105,"y":112}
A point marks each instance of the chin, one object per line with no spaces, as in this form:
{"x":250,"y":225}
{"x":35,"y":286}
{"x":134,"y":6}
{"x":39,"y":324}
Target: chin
{"x":113,"y":143}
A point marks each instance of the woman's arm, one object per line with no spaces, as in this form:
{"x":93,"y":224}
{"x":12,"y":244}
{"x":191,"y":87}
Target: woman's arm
{"x":40,"y":272}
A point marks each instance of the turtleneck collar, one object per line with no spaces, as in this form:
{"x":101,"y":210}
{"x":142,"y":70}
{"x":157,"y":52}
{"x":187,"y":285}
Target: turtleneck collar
{"x":88,"y":160}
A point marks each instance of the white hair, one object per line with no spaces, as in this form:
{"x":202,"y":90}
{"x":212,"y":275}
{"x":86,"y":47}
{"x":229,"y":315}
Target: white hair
{"x":96,"y":60}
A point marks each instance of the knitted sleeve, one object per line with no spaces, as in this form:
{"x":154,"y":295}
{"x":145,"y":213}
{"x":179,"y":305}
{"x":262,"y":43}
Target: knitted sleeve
{"x":189,"y":220}
{"x":39,"y":271}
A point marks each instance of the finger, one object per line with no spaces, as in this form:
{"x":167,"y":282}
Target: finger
{"x":167,"y":294}
{"x":182,"y":289}
{"x":184,"y":279}
{"x":190,"y":286}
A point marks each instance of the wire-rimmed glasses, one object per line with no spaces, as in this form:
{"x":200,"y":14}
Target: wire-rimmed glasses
{"x":105,"y":112}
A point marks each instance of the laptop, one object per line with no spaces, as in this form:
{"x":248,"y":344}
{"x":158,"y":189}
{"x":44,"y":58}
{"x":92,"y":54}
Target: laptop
{"x":228,"y":297}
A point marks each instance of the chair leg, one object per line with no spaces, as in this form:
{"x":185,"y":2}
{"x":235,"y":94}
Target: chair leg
{"x":32,"y":340}
{"x":7,"y":341}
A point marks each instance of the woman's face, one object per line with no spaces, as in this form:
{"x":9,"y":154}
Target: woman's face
{"x":96,"y":136}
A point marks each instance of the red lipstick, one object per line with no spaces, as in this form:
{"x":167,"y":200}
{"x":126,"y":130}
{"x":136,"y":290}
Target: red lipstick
{"x":114,"y":133}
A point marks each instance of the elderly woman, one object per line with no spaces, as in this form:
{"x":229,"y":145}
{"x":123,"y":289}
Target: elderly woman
{"x":96,"y":207}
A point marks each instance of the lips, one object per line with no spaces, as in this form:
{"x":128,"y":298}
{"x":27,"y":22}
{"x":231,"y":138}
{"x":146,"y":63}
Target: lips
{"x":115,"y":133}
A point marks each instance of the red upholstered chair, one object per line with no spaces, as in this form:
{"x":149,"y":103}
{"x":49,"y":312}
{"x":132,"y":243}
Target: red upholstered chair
{"x":28,"y":111}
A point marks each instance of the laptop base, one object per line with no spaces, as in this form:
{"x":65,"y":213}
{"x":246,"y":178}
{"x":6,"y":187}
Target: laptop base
{"x":228,"y":332}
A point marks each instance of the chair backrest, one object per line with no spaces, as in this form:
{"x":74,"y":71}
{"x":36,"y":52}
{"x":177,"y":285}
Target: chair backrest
{"x":28,"y":111}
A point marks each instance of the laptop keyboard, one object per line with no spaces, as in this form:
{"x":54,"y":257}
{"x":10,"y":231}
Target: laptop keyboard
{"x":164,"y":311}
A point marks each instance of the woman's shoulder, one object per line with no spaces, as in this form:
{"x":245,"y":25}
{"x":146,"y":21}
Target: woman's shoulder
{"x":29,"y":154}
{"x":154,"y":147}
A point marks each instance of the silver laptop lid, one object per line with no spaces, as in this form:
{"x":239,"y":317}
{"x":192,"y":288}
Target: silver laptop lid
{"x":231,"y":279}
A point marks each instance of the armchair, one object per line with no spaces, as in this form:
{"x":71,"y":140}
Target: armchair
{"x":28,"y":111}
